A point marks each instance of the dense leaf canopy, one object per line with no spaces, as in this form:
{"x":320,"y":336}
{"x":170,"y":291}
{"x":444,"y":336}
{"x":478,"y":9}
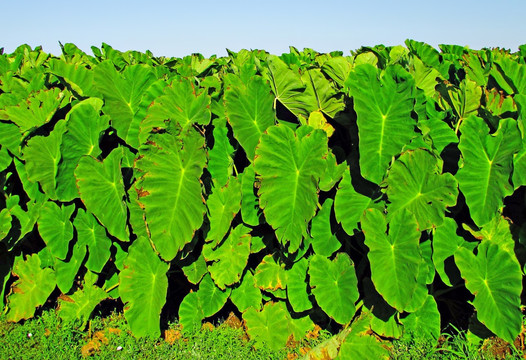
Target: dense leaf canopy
{"x":302,"y":189}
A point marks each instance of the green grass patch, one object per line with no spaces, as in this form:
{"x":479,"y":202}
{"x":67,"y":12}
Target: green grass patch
{"x":48,"y":337}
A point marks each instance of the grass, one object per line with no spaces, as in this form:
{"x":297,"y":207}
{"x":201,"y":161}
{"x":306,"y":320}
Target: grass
{"x":47,"y":337}
{"x":454,"y":347}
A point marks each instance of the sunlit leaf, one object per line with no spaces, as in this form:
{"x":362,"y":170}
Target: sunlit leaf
{"x":143,"y":287}
{"x":335,"y":286}
{"x":31,"y":289}
{"x":383,"y":107}
{"x":289,"y":167}
{"x":495,"y":278}
{"x":169,"y":189}
{"x":101,"y":189}
{"x":484,"y":176}
{"x":229,"y":258}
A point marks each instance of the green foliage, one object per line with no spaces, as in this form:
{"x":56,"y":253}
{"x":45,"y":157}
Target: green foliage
{"x":383,"y":108}
{"x":495,"y":277}
{"x":289,"y":164}
{"x":415,"y":183}
{"x":169,"y":190}
{"x":248,"y":107}
{"x":302,"y":188}
{"x":31,"y":289}
{"x":484,"y":178}
{"x":143,"y":286}
{"x":101,"y":189}
{"x":334,"y":284}
{"x":396,"y":260}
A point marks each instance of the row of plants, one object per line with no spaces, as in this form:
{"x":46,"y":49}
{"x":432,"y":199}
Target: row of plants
{"x":381,"y":193}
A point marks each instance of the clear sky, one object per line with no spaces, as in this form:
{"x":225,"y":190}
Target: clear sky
{"x":179,"y":28}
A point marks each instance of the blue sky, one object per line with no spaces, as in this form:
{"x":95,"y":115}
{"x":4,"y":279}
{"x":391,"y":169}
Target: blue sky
{"x":177,"y":28}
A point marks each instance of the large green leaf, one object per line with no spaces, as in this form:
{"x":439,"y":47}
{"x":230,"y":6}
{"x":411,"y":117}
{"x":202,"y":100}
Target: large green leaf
{"x":83,"y":130}
{"x":269,"y":327}
{"x":36,"y":110}
{"x":335,"y":286}
{"x":333,"y":172}
{"x":76,"y":75}
{"x":207,"y":301}
{"x":425,"y":77}
{"x":10,"y":137}
{"x":211,"y":298}
{"x":21,"y":222}
{"x":514,"y":73}
{"x":320,"y":94}
{"x":42,"y":156}
{"x":383,"y":108}
{"x":123,"y":94}
{"x":5,"y":223}
{"x":464,"y":99}
{"x":5,"y":158}
{"x":182,"y":103}
{"x":428,"y":54}
{"x":495,"y":278}
{"x":249,"y":110}
{"x":415,"y":183}
{"x":223,"y":205}
{"x":82,"y":302}
{"x":247,"y":293}
{"x":425,"y":322}
{"x":101,"y":189}
{"x":191,"y":312}
{"x":434,"y":126}
{"x":31,"y":289}
{"x":498,"y":231}
{"x":476,"y":69}
{"x":32,"y":189}
{"x":484,"y":176}
{"x":287,"y":86}
{"x":229,"y":258}
{"x":169,"y":189}
{"x":396,"y":260}
{"x":270,"y":275}
{"x":289,"y":167}
{"x":91,"y":234}
{"x":143,"y":287}
{"x":338,"y":69}
{"x":385,"y":319}
{"x":55,"y":228}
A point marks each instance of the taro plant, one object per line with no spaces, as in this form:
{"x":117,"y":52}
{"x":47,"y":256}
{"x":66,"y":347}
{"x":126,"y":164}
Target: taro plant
{"x":381,"y":193}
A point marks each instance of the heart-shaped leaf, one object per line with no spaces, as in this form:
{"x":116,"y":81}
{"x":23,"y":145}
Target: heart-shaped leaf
{"x":335,"y":286}
{"x":143,"y":287}
{"x":495,"y":277}
{"x":31,"y":289}
{"x":289,"y":167}
{"x":397,"y":266}
{"x":55,"y":228}
{"x":101,"y":189}
{"x":229,"y":258}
